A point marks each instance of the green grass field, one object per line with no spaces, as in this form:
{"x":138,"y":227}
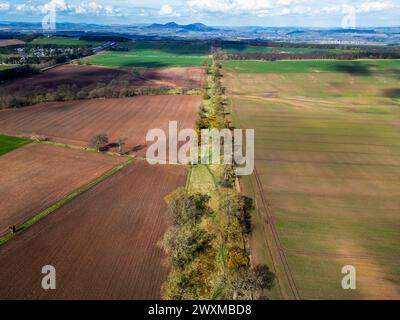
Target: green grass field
{"x":6,"y":66}
{"x":313,"y":66}
{"x":6,"y":55}
{"x":144,"y":59}
{"x":171,"y":47}
{"x":245,"y":48}
{"x":8,"y":143}
{"x":328,"y":163}
{"x":150,"y":54}
{"x":64,"y":41}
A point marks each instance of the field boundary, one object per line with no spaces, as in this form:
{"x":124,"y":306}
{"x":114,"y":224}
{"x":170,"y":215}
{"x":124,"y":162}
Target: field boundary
{"x":87,"y":149}
{"x":67,"y":199}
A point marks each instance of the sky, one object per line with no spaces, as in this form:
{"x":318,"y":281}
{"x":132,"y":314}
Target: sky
{"x":275,"y":13}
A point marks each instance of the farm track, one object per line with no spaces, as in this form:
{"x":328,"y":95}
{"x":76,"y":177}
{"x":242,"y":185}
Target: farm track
{"x":269,"y":228}
{"x":277,"y":241}
{"x":337,"y":255}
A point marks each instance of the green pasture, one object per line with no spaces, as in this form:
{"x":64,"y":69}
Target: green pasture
{"x":144,"y":59}
{"x":246,"y":48}
{"x":356,"y":67}
{"x":8,"y":143}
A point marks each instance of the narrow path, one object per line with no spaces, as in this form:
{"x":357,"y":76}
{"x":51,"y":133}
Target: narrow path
{"x":271,"y":226}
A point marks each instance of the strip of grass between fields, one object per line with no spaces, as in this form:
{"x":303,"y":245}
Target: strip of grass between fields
{"x":9,"y":143}
{"x":41,"y":215}
{"x":74,"y":147}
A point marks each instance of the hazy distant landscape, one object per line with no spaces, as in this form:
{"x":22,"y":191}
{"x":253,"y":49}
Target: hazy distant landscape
{"x":387,"y":35}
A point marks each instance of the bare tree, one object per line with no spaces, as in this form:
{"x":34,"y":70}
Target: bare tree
{"x":121,"y":142}
{"x":99,"y":140}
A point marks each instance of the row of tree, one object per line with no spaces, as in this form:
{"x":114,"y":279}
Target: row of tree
{"x":206,"y":245}
{"x":113,"y":89}
{"x":274,"y":56}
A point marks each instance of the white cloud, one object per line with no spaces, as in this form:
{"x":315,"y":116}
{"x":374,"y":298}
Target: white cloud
{"x":143,"y":13}
{"x":91,"y":7}
{"x":4,"y":6}
{"x":167,"y":11}
{"x":201,"y":10}
{"x":59,"y":5}
{"x":372,"y":6}
{"x":263,"y":8}
{"x":260,"y":8}
{"x":25,"y":7}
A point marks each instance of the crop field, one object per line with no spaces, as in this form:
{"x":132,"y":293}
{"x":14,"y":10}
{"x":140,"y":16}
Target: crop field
{"x":245,"y":48}
{"x":64,"y":41}
{"x":104,"y":246}
{"x":6,"y":66}
{"x":69,"y":74}
{"x":314,"y":66}
{"x":10,"y":42}
{"x":145,"y":59}
{"x":150,"y":54}
{"x":83,"y":76}
{"x":8,"y":143}
{"x":76,"y":122}
{"x":8,"y":55}
{"x":195,"y":48}
{"x":327,"y":179}
{"x":36,"y":176}
{"x":182,"y":77}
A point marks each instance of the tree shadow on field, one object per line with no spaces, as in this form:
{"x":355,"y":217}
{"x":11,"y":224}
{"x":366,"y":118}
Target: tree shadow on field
{"x":111,"y":146}
{"x":393,"y":93}
{"x":395,"y":73}
{"x":143,"y":64}
{"x":139,"y":147}
{"x":354,"y":68}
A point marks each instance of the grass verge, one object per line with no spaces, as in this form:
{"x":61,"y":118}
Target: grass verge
{"x":8,"y":143}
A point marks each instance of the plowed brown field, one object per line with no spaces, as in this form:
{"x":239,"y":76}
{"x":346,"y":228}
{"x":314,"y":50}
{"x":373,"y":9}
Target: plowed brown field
{"x":83,"y":76}
{"x":185,"y":77}
{"x":102,"y":246}
{"x":10,"y":42}
{"x":76,"y":122}
{"x":34,"y":177}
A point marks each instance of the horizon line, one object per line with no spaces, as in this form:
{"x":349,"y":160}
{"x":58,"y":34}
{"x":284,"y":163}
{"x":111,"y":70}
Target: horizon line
{"x":208,"y":25}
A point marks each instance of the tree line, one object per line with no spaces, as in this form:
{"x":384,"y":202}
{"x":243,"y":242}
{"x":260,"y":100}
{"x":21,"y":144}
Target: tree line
{"x":275,"y":56}
{"x":65,"y":92}
{"x":206,"y":243}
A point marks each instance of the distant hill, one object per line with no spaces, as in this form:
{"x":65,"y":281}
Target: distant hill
{"x":195,"y":27}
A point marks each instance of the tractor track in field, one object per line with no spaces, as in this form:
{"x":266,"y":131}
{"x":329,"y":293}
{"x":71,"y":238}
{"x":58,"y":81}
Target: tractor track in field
{"x":270,"y":225}
{"x":278,"y":243}
{"x":264,"y":227}
{"x":336,"y":255}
